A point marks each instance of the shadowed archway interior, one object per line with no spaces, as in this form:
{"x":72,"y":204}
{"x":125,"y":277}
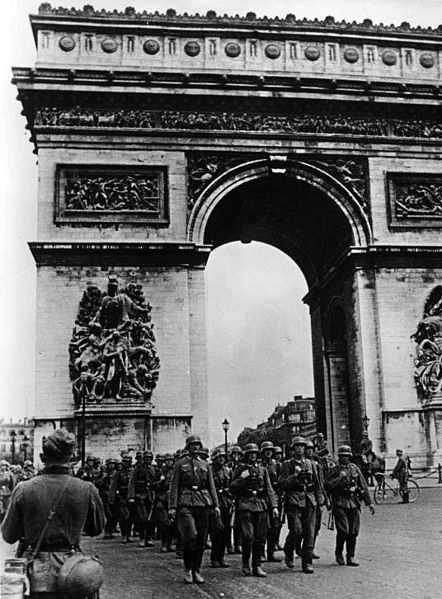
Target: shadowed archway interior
{"x":286,"y":213}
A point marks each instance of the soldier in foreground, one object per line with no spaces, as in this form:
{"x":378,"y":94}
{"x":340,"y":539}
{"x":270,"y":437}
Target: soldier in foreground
{"x":251,"y":485}
{"x":191,"y":499}
{"x":77,"y":508}
{"x":303,"y":493}
{"x":348,"y":489}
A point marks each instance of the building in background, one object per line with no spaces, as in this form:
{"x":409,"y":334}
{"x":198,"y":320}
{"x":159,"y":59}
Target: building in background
{"x":16,"y":440}
{"x":297,"y":417}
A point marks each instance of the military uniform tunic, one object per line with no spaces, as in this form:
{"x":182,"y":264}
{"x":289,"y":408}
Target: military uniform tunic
{"x":80,"y":509}
{"x":192,"y":494}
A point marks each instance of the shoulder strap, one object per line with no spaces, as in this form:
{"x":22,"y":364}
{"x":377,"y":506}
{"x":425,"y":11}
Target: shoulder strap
{"x":51,"y":515}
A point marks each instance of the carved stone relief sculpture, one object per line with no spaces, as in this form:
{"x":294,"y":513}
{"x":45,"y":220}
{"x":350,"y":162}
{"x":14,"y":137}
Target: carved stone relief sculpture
{"x":112,"y":354}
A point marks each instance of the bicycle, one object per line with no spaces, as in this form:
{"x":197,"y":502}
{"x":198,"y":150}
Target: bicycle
{"x":387,"y":492}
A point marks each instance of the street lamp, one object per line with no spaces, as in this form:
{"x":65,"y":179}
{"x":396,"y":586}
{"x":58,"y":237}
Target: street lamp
{"x":226,"y":426}
{"x":13,"y":435}
{"x":365,"y":422}
{"x":83,"y":378}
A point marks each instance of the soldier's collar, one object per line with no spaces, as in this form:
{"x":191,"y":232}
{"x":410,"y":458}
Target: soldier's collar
{"x":56,"y":469}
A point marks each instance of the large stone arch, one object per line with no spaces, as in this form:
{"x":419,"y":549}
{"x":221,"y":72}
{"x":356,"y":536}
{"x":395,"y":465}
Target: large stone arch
{"x":299,"y":170}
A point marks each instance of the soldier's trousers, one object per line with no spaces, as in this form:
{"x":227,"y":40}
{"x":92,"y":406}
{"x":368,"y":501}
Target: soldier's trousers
{"x":193,"y":527}
{"x":125,"y":517}
{"x":220,"y":535}
{"x":301,"y":524}
{"x":111,"y":513}
{"x":142,"y":510}
{"x":347,"y":522}
{"x":254,"y":526}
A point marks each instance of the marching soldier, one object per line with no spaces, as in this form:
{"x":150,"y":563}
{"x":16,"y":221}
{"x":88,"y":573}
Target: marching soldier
{"x":273,"y":468}
{"x":87,"y":472}
{"x":6,"y":486}
{"x":348,"y":488}
{"x":309,"y":454}
{"x":222,"y":477}
{"x":236,"y":455}
{"x":277,"y":454}
{"x":118,"y":496}
{"x":103,"y":483}
{"x":192,"y":497}
{"x":77,"y":508}
{"x":141,"y":493}
{"x":303,"y":492}
{"x":255,"y":497}
{"x":160,"y":510}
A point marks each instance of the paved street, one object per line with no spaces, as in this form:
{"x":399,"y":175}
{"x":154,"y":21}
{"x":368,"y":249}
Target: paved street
{"x":400,"y":552}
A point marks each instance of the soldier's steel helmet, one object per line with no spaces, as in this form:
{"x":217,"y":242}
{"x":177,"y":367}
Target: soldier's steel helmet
{"x":204,"y":451}
{"x":277,"y":449}
{"x":218,"y":453}
{"x":148,"y":454}
{"x":80,"y":576}
{"x":298,"y":441}
{"x":251,"y":447}
{"x":194,"y":439}
{"x":267,"y":445}
{"x":309,"y":444}
{"x":345,"y":450}
{"x":236,"y":449}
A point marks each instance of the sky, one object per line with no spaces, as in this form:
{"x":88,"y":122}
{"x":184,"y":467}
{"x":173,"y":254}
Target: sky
{"x":258,"y":328}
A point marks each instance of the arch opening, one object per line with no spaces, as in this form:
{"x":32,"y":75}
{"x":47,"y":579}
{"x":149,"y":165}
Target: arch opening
{"x":314,"y":224}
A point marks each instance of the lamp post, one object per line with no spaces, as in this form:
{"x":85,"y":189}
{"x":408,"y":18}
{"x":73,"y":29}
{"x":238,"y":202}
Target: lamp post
{"x":83,"y":377}
{"x":365,"y":422}
{"x":226,"y":426}
{"x":13,"y":435}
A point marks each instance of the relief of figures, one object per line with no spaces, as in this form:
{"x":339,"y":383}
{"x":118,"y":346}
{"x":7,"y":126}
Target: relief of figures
{"x":112,"y":353}
{"x":339,"y":124}
{"x":419,"y":200}
{"x":113,"y":193}
{"x":428,"y":336}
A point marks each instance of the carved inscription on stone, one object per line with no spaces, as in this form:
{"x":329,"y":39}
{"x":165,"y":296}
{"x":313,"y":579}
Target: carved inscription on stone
{"x":415,"y":200}
{"x":108,"y":194}
{"x":112,"y":354}
{"x":339,"y":124}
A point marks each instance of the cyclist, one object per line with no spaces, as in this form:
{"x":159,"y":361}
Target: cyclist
{"x":400,"y":472}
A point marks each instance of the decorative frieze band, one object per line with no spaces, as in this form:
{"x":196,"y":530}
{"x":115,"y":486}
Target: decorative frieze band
{"x":415,"y":200}
{"x":204,"y":167}
{"x":106,"y":194}
{"x":315,"y":124}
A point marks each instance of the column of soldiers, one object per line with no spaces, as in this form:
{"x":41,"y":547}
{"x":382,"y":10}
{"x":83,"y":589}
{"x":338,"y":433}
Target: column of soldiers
{"x":235,"y":503}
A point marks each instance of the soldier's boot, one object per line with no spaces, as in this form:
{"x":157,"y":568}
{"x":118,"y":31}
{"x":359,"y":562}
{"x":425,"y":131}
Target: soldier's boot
{"x":351,"y":547}
{"x":288,"y":557}
{"x":197,"y":577}
{"x":340,"y":541}
{"x":271,"y":547}
{"x":307,"y":559}
{"x":188,"y":577}
{"x":259,"y":572}
{"x":406,"y":497}
{"x":307,"y":568}
{"x":246,"y":552}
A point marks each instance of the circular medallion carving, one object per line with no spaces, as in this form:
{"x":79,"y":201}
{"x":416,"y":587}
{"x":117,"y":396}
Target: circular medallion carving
{"x":151,"y":47}
{"x":389,"y":58}
{"x":426,"y":60}
{"x":312,"y":53}
{"x":351,"y":55}
{"x":109,"y":45}
{"x":232,"y":49}
{"x":272,"y":51}
{"x":67,"y":43}
{"x":192,"y":48}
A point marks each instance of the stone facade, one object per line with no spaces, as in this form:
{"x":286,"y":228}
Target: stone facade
{"x":338,"y":123}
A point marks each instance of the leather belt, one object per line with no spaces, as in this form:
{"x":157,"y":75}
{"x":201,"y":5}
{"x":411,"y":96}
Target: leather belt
{"x":48,"y":547}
